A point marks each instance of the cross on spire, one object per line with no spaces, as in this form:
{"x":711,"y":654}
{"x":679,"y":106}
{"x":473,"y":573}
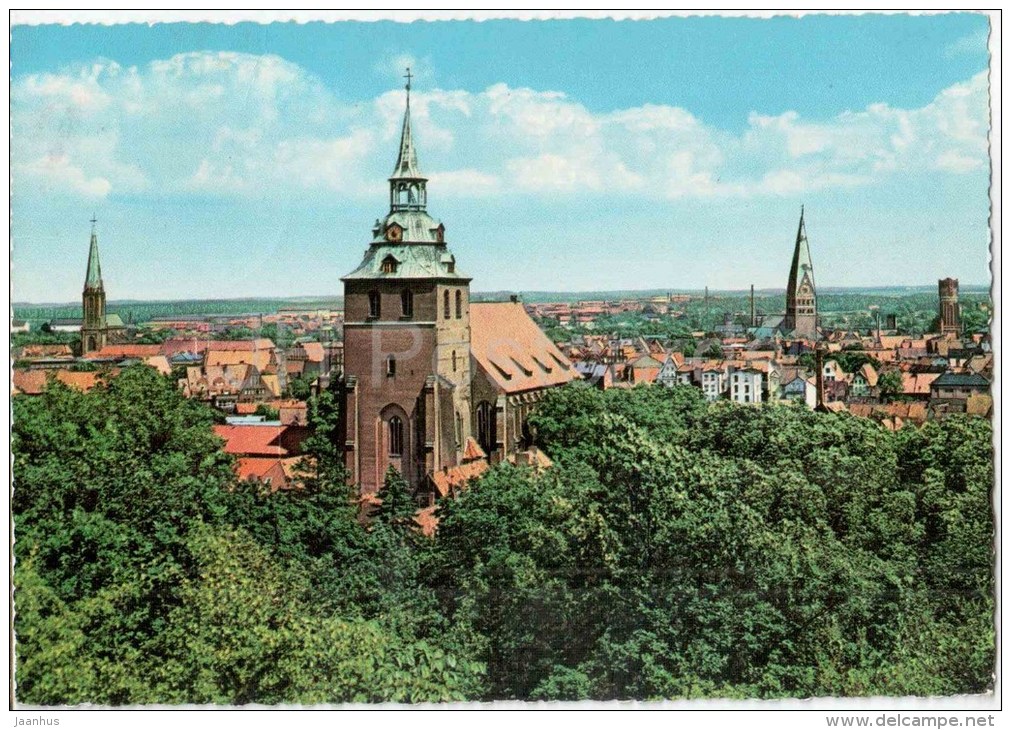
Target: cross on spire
{"x":94,"y":220}
{"x":408,"y":76}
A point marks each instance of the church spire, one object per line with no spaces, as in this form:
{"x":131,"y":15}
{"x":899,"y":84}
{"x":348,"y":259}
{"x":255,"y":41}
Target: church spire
{"x":407,"y":184}
{"x":801,"y":295}
{"x":407,"y":161}
{"x":801,"y":265}
{"x":93,"y":279}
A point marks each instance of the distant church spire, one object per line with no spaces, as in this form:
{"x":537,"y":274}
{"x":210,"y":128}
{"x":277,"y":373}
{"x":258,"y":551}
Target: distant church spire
{"x":801,"y":296}
{"x":94,"y":329}
{"x":93,"y":279}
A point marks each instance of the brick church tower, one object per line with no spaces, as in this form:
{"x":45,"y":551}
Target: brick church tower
{"x":801,"y":298}
{"x":947,"y":292}
{"x":93,"y":326}
{"x":407,"y":364}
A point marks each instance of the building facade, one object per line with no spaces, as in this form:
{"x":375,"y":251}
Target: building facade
{"x":746,"y":386}
{"x":801,"y":296}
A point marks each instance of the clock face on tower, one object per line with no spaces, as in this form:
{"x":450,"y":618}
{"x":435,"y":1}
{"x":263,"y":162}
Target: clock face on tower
{"x":394,"y":232}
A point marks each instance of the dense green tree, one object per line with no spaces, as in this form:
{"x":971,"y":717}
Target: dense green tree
{"x":890,"y":385}
{"x":676,"y":548}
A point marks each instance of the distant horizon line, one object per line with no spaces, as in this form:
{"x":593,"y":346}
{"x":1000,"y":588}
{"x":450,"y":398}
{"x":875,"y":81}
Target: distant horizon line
{"x":655,"y":291}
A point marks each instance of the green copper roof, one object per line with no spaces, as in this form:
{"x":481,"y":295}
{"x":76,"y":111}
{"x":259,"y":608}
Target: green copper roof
{"x":113,"y":320}
{"x":417,"y":227}
{"x":94,"y":277}
{"x":407,"y":160}
{"x":409,"y":262}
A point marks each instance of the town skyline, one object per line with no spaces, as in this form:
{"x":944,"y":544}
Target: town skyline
{"x":275,"y":209}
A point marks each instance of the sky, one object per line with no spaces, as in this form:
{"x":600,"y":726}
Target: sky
{"x":251,"y":159}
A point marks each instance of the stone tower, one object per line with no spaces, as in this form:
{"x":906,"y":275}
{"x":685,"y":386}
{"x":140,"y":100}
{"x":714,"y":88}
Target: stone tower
{"x":801,"y":298}
{"x":407,"y":365}
{"x":947,"y":292}
{"x":93,"y":325}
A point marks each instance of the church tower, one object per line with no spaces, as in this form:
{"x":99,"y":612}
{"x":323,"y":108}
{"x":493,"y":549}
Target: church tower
{"x":407,"y":364}
{"x":93,"y":325}
{"x":947,"y":292}
{"x":801,"y":298}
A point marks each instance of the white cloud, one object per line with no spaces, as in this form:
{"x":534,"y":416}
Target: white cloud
{"x":969,"y":44}
{"x":465,"y":183}
{"x":232,"y":124}
{"x":57,"y":172}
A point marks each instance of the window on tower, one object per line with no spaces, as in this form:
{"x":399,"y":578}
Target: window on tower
{"x":396,"y":436}
{"x":459,"y":304}
{"x":407,"y":303}
{"x":374,"y":304}
{"x":391,"y":366}
{"x":445,"y":304}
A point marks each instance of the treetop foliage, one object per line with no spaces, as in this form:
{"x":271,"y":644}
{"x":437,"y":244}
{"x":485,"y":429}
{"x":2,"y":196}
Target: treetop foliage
{"x":676,"y":549}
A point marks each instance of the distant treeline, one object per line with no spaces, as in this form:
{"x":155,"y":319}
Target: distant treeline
{"x":146,"y":311}
{"x":896,"y":300}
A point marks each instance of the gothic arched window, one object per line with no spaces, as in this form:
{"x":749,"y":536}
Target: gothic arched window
{"x":486,"y":427}
{"x":396,"y":436}
{"x":454,"y":361}
{"x":459,"y":304}
{"x":445,"y":304}
{"x":374,"y":306}
{"x":407,"y":303}
{"x":391,"y":366}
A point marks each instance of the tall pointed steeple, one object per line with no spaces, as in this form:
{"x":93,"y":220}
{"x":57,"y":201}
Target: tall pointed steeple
{"x":801,"y":297}
{"x":93,"y":278}
{"x":407,"y":160}
{"x":407,"y":184}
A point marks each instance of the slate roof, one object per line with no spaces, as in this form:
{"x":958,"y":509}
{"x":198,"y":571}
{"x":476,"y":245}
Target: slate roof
{"x":509,"y":346}
{"x":961,"y":380}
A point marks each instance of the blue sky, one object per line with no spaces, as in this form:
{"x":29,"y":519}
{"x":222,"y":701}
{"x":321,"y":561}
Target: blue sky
{"x":250,"y":160}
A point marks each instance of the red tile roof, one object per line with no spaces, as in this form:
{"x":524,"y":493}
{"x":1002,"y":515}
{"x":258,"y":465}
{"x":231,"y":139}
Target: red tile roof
{"x":257,"y":440}
{"x":454,"y":478}
{"x":313,"y":351}
{"x":918,"y":383}
{"x":45,"y":351}
{"x":124,"y":351}
{"x":197,"y":345}
{"x":512,"y":349}
{"x":472,"y":451}
{"x":34,"y":382}
{"x":427,"y":520}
